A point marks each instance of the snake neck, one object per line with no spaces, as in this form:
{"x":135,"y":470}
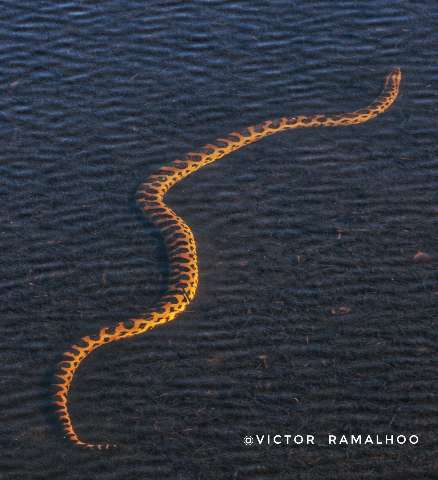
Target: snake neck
{"x":151,"y":193}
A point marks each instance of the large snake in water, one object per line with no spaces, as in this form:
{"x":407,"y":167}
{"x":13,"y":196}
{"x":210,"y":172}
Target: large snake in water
{"x":180,"y":241}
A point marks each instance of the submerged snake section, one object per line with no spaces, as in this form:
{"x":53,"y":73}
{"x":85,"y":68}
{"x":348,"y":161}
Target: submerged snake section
{"x":180,"y":241}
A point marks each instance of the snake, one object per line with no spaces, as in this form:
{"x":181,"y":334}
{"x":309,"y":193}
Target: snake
{"x":179,"y":239}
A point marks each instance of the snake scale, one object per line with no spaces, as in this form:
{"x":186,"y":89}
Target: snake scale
{"x":180,"y":241}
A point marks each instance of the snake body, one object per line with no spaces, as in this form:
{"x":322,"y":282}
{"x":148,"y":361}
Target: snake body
{"x":180,"y":241}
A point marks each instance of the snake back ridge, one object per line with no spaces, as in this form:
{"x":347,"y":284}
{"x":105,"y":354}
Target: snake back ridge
{"x":180,"y":241}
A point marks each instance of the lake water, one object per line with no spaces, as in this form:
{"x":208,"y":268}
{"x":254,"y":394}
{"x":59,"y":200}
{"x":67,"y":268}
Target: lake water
{"x":316,"y":313}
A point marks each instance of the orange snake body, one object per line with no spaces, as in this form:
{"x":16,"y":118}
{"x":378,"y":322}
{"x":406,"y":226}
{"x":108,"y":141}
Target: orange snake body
{"x":179,"y":239}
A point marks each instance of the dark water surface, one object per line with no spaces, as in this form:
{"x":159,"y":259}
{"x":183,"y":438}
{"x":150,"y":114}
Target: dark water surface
{"x":312,"y":315}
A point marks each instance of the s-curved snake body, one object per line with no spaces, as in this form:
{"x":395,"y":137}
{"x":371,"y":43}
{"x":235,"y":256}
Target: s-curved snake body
{"x":179,"y":239}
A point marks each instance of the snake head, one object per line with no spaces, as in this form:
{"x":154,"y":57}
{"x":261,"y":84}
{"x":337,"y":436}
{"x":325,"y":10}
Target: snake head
{"x":393,"y":79}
